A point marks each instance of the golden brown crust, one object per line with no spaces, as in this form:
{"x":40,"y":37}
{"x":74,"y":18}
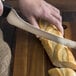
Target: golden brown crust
{"x":60,"y":55}
{"x":55,"y":72}
{"x":61,"y":72}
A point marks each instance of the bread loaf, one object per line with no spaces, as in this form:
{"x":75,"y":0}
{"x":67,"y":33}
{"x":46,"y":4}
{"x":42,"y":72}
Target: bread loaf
{"x":61,"y":72}
{"x":60,"y":55}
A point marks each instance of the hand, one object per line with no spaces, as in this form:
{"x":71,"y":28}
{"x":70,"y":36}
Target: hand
{"x":1,"y":8}
{"x":34,"y":9}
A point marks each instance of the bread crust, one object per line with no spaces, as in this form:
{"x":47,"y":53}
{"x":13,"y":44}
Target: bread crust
{"x":60,"y":55}
{"x":61,"y":72}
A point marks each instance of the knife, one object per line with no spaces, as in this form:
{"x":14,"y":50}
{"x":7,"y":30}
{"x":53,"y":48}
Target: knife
{"x":14,"y":19}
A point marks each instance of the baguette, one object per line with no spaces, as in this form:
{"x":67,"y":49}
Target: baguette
{"x":61,"y":72}
{"x":60,"y":55}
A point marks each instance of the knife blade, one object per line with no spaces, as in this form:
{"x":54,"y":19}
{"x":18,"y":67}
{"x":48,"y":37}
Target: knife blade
{"x":14,"y":19}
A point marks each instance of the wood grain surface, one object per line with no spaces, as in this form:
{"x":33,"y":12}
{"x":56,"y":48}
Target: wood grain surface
{"x":30,"y":56}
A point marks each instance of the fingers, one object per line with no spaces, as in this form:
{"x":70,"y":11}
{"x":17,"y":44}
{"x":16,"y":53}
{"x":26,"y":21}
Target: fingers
{"x":33,"y":21}
{"x":53,"y":11}
{"x":52,"y":14}
{"x":52,"y":7}
{"x":54,"y":21}
{"x":57,"y":16}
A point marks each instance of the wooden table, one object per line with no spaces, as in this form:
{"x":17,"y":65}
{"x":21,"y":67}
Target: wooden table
{"x":30,"y":56}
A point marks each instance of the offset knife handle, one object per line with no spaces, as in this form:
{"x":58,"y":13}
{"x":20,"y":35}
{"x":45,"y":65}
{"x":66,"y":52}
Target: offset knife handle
{"x":6,"y":10}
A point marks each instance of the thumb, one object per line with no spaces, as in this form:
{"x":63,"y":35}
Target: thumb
{"x":33,"y":21}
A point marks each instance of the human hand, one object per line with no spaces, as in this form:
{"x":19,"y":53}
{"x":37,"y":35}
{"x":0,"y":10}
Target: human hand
{"x":1,"y":8}
{"x":34,"y":9}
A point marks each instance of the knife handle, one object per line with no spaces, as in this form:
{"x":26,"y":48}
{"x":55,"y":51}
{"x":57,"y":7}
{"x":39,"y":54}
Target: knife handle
{"x":6,"y":10}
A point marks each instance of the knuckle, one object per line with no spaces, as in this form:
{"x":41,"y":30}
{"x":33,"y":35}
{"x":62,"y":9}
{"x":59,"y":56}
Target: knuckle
{"x":58,"y":11}
{"x":60,"y":18}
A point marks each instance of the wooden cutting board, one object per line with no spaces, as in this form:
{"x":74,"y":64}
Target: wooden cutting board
{"x":30,"y":57}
